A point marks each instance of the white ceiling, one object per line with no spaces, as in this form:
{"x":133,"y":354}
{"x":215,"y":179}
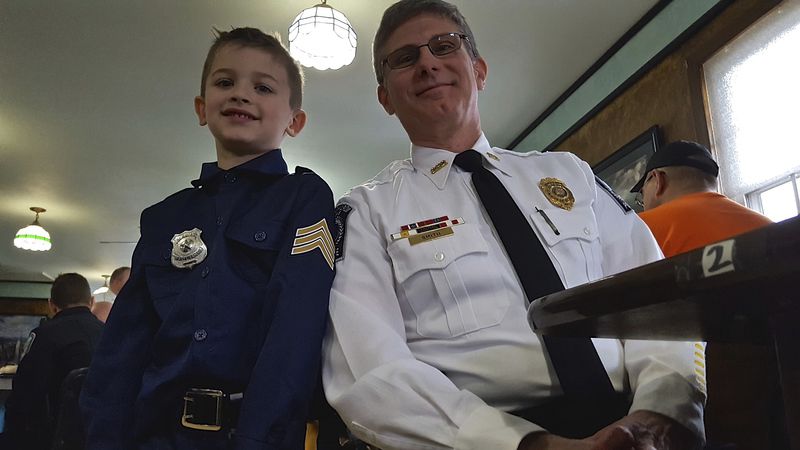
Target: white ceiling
{"x":96,"y":117}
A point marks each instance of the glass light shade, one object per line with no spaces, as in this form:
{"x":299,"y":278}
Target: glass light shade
{"x":100,"y":290}
{"x":322,"y":37}
{"x":33,"y":237}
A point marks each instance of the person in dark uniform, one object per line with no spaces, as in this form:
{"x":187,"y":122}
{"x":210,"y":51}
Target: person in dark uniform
{"x":55,"y":348}
{"x":215,"y":340}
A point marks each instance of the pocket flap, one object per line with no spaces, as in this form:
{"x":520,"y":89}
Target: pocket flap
{"x":264,"y":235}
{"x":578,"y":223}
{"x":408,"y":259}
{"x":157,"y":254}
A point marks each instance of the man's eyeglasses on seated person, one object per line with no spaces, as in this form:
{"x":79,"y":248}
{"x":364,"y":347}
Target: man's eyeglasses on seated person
{"x":639,"y":198}
{"x":439,"y":45}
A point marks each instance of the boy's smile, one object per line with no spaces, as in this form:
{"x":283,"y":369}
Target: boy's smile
{"x":246,"y":104}
{"x":239,"y":114}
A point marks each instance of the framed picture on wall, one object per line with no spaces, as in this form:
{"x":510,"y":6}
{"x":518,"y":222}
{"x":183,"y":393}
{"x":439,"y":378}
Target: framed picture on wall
{"x":625,"y":166}
{"x":14,"y":332}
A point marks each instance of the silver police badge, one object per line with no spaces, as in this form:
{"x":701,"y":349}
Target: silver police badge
{"x":188,"y":249}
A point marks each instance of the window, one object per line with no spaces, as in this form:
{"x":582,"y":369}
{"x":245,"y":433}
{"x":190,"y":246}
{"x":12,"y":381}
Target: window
{"x":753,"y":92}
{"x":778,"y":201}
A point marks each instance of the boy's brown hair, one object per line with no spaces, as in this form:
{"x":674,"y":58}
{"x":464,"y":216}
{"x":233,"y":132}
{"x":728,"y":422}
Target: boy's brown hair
{"x":255,"y":38}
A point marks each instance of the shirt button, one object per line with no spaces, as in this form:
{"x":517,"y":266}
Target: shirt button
{"x":260,"y":236}
{"x":219,"y":220}
{"x":587,"y":231}
{"x":200,"y":335}
{"x":205,"y":272}
{"x":230,"y":178}
{"x":439,"y":257}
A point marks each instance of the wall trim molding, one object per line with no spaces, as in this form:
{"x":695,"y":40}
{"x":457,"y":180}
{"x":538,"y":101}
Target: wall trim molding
{"x":652,"y":62}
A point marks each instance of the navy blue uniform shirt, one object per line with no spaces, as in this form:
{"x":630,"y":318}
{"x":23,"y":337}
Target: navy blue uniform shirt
{"x":249,"y":318}
{"x":58,"y":346}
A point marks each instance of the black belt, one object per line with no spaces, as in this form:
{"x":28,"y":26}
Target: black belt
{"x":210,"y":409}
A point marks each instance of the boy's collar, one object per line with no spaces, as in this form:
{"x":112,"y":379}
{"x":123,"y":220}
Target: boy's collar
{"x":270,"y":163}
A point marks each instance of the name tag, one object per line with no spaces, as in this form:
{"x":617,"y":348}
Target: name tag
{"x":430,"y":235}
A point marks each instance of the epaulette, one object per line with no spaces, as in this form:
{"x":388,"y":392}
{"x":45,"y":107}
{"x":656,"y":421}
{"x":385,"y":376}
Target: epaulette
{"x":302,"y":170}
{"x":626,"y":208}
{"x":388,"y":173}
{"x":505,"y":151}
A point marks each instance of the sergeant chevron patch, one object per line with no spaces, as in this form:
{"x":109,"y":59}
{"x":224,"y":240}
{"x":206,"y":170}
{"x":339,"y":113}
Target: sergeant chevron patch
{"x":314,"y":237}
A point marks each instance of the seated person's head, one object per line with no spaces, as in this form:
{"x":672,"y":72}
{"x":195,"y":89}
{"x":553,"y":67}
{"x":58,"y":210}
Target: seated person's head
{"x":251,"y":93}
{"x":118,"y":279}
{"x":70,"y":290}
{"x":678,"y":169}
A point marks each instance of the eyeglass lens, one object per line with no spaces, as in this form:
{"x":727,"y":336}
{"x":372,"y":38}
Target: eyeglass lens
{"x":440,"y":45}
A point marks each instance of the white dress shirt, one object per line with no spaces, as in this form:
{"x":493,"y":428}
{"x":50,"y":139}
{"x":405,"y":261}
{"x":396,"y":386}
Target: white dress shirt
{"x":429,"y":345}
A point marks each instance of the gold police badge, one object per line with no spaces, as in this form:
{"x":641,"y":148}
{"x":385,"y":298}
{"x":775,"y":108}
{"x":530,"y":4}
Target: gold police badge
{"x":557,"y":193}
{"x":188,"y":249}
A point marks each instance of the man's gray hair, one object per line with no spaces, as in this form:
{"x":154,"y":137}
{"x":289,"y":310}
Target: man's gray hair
{"x":405,"y":10}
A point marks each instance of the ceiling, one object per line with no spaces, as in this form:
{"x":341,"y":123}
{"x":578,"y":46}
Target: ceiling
{"x":97,"y":122}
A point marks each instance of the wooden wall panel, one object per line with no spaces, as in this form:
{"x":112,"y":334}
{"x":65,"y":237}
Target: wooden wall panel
{"x":24,"y":306}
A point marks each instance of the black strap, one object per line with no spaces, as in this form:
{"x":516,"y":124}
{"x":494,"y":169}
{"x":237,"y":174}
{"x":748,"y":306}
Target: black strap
{"x":575,"y":419}
{"x":575,"y":360}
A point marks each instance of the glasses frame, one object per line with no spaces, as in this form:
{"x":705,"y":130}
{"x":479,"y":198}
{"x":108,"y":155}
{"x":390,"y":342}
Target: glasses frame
{"x":416,"y":49}
{"x":639,"y":198}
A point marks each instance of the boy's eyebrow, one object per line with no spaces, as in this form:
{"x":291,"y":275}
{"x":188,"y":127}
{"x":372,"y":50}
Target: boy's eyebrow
{"x":266,"y":75}
{"x":257,"y":74}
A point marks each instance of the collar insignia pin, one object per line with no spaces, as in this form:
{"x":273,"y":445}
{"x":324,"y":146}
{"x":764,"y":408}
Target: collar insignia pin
{"x":557,"y":193}
{"x":188,"y":249}
{"x":439,"y":166}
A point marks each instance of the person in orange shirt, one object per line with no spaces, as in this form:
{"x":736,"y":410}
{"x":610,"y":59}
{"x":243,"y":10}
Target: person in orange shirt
{"x":682,"y":207}
{"x":684,"y":212}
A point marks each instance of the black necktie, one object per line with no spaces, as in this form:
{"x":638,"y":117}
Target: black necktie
{"x":575,"y":360}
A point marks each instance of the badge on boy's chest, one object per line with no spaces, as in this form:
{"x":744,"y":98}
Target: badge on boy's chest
{"x":188,"y":249}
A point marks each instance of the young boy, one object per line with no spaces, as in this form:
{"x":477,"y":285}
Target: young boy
{"x":215,"y":340}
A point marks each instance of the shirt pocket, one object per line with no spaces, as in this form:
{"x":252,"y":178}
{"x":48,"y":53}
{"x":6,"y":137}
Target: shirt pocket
{"x":164,"y":281}
{"x":448,"y":286}
{"x":573,"y":239}
{"x":254,"y":246}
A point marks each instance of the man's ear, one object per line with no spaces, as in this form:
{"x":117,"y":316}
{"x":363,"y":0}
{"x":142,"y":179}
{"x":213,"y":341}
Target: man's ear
{"x":383,"y":99}
{"x":52,"y":306}
{"x":661,"y":182}
{"x":200,"y":110}
{"x":481,"y":71}
{"x":297,"y":123}
{"x":91,"y":302}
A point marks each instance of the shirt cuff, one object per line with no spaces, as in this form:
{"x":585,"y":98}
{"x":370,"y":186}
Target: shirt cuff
{"x":675,"y":398}
{"x":488,"y":427}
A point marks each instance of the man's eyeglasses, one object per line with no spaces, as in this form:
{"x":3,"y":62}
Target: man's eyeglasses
{"x":639,"y":197}
{"x":439,"y":45}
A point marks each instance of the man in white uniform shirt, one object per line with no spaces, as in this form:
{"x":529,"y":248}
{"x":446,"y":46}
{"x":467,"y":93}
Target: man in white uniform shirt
{"x":102,"y":306}
{"x":428,"y":345}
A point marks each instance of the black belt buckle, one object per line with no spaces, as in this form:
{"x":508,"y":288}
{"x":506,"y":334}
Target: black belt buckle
{"x":202,"y":409}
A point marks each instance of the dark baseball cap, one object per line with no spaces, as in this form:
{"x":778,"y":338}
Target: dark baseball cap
{"x":680,"y":153}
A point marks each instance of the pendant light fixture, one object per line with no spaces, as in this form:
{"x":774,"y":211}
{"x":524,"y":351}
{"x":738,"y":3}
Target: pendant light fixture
{"x":104,"y":288}
{"x":321,"y":37}
{"x":33,"y":237}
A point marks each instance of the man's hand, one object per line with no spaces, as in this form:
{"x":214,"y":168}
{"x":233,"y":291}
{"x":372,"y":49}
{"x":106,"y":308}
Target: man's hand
{"x":612,"y":437}
{"x":640,"y":430}
{"x":652,"y":431}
